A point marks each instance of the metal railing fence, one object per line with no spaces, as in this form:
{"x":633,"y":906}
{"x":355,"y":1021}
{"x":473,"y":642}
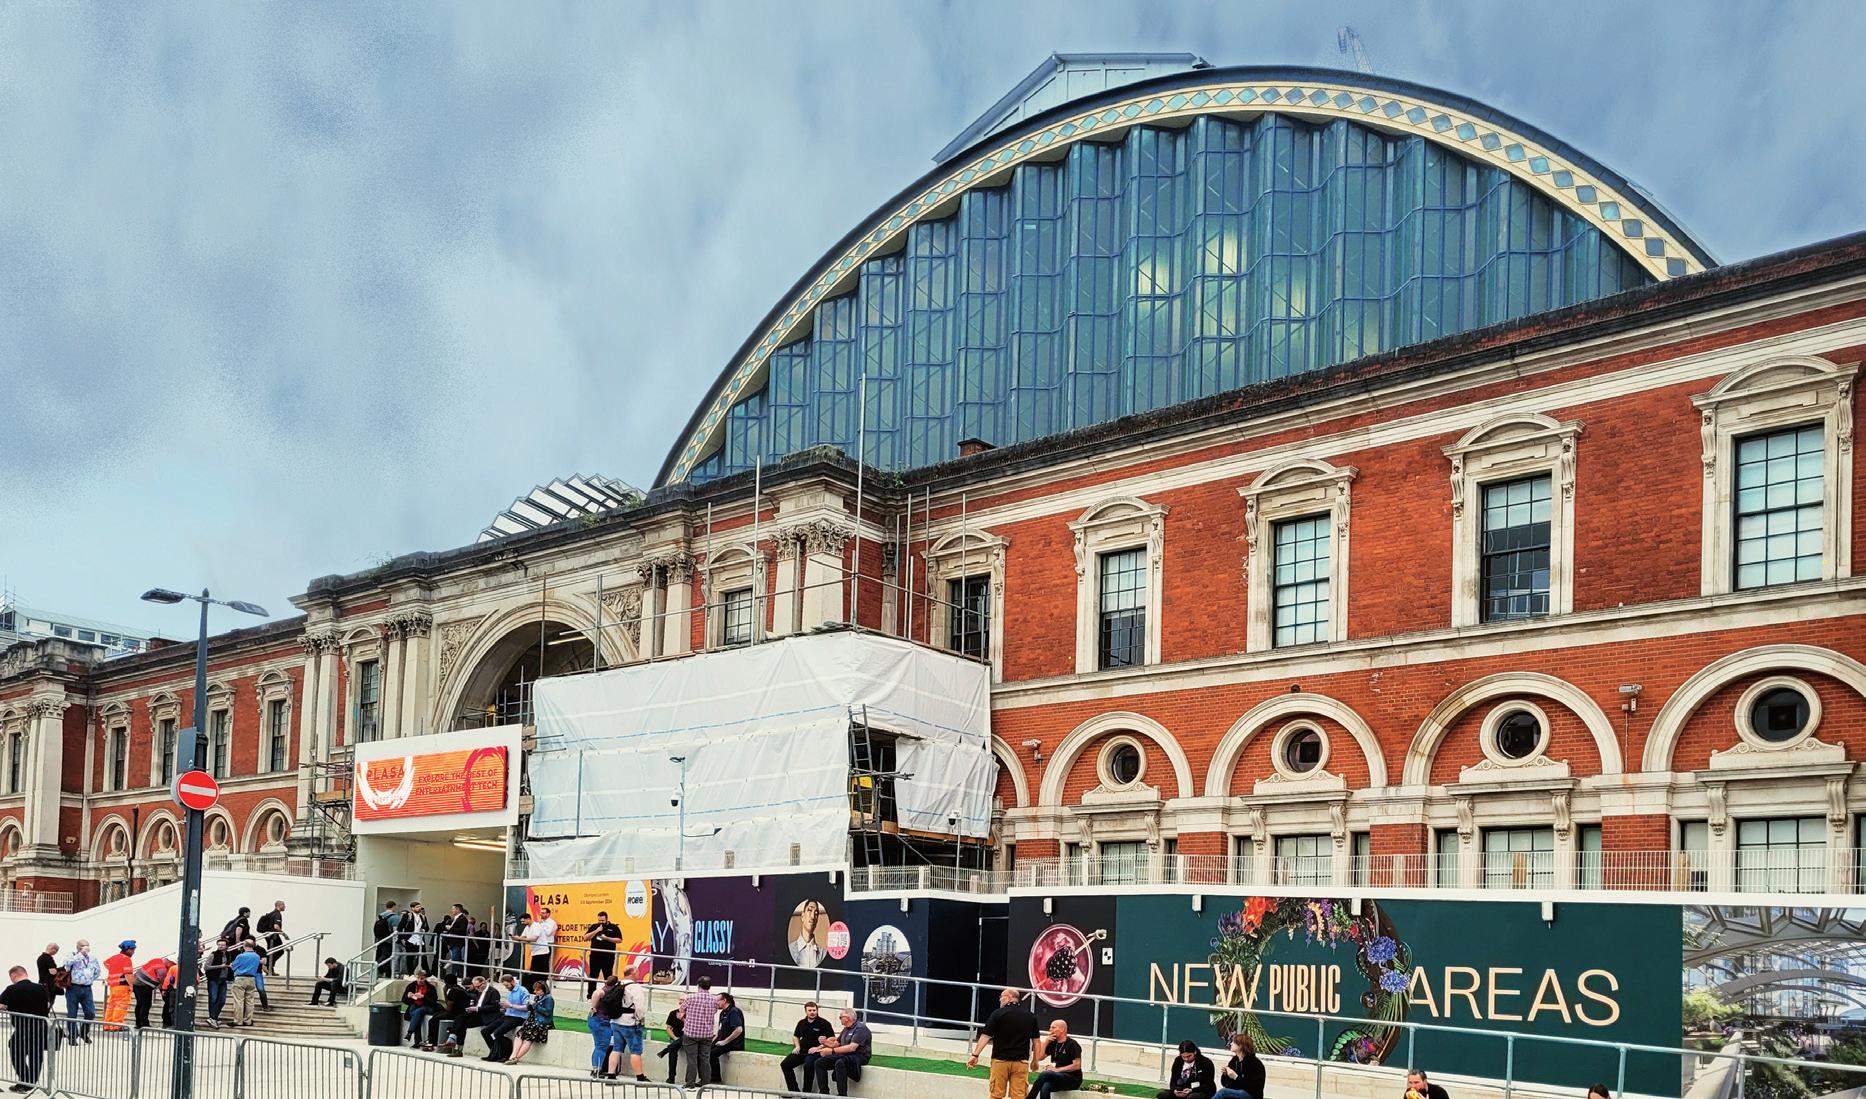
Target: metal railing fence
{"x":913,"y":1007}
{"x":137,"y":1064}
{"x":532,"y":1086}
{"x":1763,"y":870}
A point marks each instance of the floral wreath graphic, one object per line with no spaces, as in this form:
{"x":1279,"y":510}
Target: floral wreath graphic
{"x":1247,"y":939}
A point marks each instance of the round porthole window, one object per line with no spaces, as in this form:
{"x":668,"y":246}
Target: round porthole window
{"x":1780,"y":715}
{"x":1515,"y":734}
{"x":1302,"y":752}
{"x":1519,"y":734}
{"x":1777,"y":712}
{"x":1122,"y":763}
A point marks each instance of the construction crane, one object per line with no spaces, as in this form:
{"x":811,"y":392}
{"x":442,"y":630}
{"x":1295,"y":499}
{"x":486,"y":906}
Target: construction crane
{"x":1348,"y":43}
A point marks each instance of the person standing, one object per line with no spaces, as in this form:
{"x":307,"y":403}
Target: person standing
{"x":239,"y":928}
{"x":1418,"y":1086}
{"x":83,"y":971}
{"x":807,"y":1041}
{"x":628,"y":1008}
{"x":699,"y":1023}
{"x":603,"y":937}
{"x":843,"y":1060}
{"x":246,"y":966}
{"x":217,"y":969}
{"x":383,"y":931}
{"x":1060,"y":1068}
{"x":414,"y":931}
{"x":731,"y":1037}
{"x":479,"y":948}
{"x":28,"y":1006}
{"x":145,"y":984}
{"x":1191,"y":1076}
{"x":1012,"y":1032}
{"x":49,"y":971}
{"x":1243,"y":1077}
{"x":542,"y":935}
{"x":452,"y":931}
{"x":271,"y":928}
{"x":602,"y":1028}
{"x":118,"y":971}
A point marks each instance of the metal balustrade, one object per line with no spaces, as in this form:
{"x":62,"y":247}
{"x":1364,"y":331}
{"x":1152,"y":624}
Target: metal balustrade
{"x":138,"y":1064}
{"x":1764,"y":871}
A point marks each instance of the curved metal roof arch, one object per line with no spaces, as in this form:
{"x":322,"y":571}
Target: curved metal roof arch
{"x":1609,"y":202}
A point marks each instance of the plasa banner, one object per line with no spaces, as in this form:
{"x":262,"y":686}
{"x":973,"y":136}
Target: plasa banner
{"x":431,"y":784}
{"x":579,"y":908}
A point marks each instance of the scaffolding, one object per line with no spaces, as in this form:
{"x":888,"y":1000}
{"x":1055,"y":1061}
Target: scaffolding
{"x":327,"y":825}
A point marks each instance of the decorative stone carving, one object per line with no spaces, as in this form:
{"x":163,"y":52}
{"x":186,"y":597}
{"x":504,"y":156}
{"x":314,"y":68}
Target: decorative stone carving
{"x":825,"y":536}
{"x":1837,"y":802}
{"x":1338,"y":822}
{"x":1457,"y":486}
{"x":1843,"y":417}
{"x":318,"y":642}
{"x":454,"y":638}
{"x":1153,"y":831}
{"x":1719,"y":809}
{"x":1559,"y":803}
{"x":624,"y":607}
{"x":1467,"y":818}
{"x":787,"y":540}
{"x":678,"y":568}
{"x":1707,"y":438}
{"x":890,"y":561}
{"x":411,"y":624}
{"x":1254,"y":826}
{"x":46,"y":707}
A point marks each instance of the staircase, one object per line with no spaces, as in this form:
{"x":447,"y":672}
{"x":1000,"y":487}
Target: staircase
{"x":292,"y":1017}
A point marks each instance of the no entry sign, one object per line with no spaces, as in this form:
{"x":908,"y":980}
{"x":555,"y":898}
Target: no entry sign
{"x":197,"y":790}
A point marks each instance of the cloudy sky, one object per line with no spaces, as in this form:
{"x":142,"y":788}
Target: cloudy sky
{"x":286,"y":289}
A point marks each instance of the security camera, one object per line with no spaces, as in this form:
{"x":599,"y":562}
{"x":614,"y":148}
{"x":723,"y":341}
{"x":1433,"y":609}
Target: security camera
{"x":1630,"y":688}
{"x":674,"y":802}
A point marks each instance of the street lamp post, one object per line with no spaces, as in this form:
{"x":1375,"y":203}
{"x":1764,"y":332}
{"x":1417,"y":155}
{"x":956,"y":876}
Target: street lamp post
{"x":680,"y":802}
{"x":188,"y":758}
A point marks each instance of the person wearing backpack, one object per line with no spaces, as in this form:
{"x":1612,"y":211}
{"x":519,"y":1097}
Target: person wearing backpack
{"x":626,"y":1005}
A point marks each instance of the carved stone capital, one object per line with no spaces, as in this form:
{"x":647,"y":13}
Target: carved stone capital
{"x":46,"y":707}
{"x":320,"y":642}
{"x":825,"y":536}
{"x":411,"y":623}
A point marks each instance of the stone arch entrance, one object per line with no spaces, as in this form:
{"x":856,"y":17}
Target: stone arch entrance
{"x":496,"y":689}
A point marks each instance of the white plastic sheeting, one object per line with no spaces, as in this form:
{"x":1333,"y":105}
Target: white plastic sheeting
{"x":765,"y":734}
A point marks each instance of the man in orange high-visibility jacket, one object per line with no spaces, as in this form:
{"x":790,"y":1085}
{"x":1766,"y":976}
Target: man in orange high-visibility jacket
{"x":117,"y":970}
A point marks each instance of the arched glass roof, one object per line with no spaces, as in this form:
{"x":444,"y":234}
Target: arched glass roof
{"x":1164,"y":241}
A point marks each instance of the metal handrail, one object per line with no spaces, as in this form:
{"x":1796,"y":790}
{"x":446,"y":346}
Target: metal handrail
{"x":153,"y":1043}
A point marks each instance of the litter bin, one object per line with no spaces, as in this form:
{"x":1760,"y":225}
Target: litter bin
{"x":385,"y":1024}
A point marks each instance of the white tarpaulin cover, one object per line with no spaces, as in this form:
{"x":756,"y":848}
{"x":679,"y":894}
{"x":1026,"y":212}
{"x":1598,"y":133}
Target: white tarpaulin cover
{"x":765,"y":733}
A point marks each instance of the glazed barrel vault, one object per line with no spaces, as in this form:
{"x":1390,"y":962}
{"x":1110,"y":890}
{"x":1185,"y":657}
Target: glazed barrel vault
{"x":1169,"y":240}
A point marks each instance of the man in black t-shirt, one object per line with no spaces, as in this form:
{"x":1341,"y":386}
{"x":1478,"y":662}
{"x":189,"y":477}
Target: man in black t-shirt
{"x":1061,"y":1066}
{"x":1012,"y":1032}
{"x":27,"y":1006}
{"x":603,"y":936}
{"x":1418,"y":1087}
{"x":808,"y":1039}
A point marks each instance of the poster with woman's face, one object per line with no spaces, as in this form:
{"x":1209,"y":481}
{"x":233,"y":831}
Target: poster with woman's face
{"x":809,"y":934}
